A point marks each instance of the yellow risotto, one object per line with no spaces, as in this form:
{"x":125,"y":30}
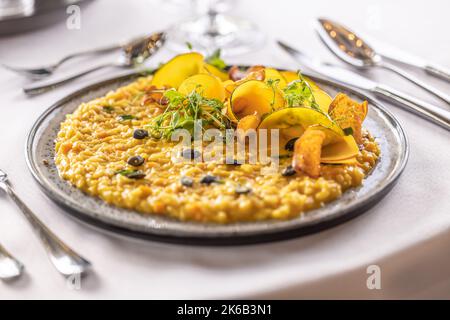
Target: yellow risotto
{"x":98,"y":142}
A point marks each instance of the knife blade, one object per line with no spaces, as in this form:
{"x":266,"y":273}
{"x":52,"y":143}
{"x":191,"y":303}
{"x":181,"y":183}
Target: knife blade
{"x":344,"y":76}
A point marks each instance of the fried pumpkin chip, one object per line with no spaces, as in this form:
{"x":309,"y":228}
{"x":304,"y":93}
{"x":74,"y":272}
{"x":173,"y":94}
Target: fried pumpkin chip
{"x":307,"y":152}
{"x":348,"y":113}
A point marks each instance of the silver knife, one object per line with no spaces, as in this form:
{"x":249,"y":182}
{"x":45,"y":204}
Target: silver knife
{"x":397,"y":55}
{"x":423,"y":109}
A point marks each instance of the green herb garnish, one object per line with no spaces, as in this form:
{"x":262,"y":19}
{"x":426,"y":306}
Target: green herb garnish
{"x":273,"y":83}
{"x":298,"y":93}
{"x":108,"y":109}
{"x":215,"y":60}
{"x":125,"y":172}
{"x":124,"y":117}
{"x":131,"y":174}
{"x":189,"y":45}
{"x":182,"y":112}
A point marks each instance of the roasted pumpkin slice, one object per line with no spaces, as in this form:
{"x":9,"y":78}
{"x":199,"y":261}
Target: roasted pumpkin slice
{"x":344,"y":148}
{"x":307,"y":152}
{"x":207,"y":85}
{"x":229,"y":86}
{"x":250,"y":122}
{"x":293,"y":122}
{"x":275,"y":75}
{"x":349,"y":162}
{"x":210,"y":69}
{"x":179,"y":68}
{"x":311,"y":149}
{"x":255,"y":97}
{"x":289,"y":76}
{"x":349,"y":113}
{"x":299,"y":117}
{"x":322,"y":98}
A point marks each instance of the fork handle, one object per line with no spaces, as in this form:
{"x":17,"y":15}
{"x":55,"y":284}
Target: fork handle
{"x":87,"y":53}
{"x":406,"y":75}
{"x":438,"y":72}
{"x":66,"y":261}
{"x":424,"y":109}
{"x":36,"y":89}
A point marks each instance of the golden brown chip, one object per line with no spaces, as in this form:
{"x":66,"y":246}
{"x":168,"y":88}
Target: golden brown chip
{"x":348,"y":113}
{"x":307,"y":152}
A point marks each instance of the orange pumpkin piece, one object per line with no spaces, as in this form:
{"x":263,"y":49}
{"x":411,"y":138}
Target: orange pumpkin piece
{"x":250,"y":122}
{"x":348,"y":113}
{"x":307,"y":152}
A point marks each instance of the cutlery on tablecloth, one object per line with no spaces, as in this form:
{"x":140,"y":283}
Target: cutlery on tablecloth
{"x":424,"y":109}
{"x":10,"y":267}
{"x":350,"y":48}
{"x":133,"y":54}
{"x":48,"y":70}
{"x":66,"y":261}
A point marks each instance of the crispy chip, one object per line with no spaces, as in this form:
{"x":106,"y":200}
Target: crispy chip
{"x":348,"y":113}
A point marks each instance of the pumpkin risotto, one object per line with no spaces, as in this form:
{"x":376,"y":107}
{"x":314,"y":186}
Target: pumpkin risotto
{"x":119,"y":147}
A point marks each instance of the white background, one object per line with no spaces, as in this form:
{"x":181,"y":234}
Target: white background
{"x":407,"y":234}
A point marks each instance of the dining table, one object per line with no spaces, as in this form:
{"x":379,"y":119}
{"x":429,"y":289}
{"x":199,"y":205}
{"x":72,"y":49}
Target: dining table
{"x":404,"y":238}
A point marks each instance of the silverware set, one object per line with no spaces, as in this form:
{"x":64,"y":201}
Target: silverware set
{"x":353,"y":50}
{"x":132,"y":54}
{"x":65,"y":260}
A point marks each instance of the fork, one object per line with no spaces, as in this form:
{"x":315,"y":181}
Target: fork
{"x":65,"y":260}
{"x":46,"y":71}
{"x":10,"y":267}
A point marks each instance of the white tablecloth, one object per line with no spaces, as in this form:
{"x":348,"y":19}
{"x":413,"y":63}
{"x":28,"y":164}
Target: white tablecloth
{"x":406,"y":235}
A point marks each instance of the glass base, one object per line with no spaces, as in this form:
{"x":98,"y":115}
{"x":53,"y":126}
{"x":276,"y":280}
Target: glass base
{"x":232,"y":35}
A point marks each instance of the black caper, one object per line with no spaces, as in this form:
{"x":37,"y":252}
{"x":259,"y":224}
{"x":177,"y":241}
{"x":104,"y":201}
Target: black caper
{"x":288,"y":171}
{"x":135,"y":161}
{"x":290,"y":144}
{"x":242,"y":190}
{"x":233,"y":162}
{"x":187,"y":181}
{"x":140,"y":134}
{"x":136,"y":175}
{"x":208,"y":179}
{"x":190,"y":154}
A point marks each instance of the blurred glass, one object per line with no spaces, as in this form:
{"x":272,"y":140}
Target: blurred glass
{"x":16,"y":8}
{"x":212,"y":28}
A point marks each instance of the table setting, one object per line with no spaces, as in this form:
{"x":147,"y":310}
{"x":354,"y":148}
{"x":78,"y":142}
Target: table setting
{"x":91,"y":199}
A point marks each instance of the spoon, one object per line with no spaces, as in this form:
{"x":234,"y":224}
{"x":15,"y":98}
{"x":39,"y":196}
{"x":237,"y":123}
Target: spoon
{"x":65,"y":260}
{"x":133,"y":54}
{"x":353,"y":50}
{"x":45,"y":71}
{"x":10,"y":267}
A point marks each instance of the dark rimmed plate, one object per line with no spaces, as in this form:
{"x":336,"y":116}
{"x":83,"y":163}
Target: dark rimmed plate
{"x":40,"y":145}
